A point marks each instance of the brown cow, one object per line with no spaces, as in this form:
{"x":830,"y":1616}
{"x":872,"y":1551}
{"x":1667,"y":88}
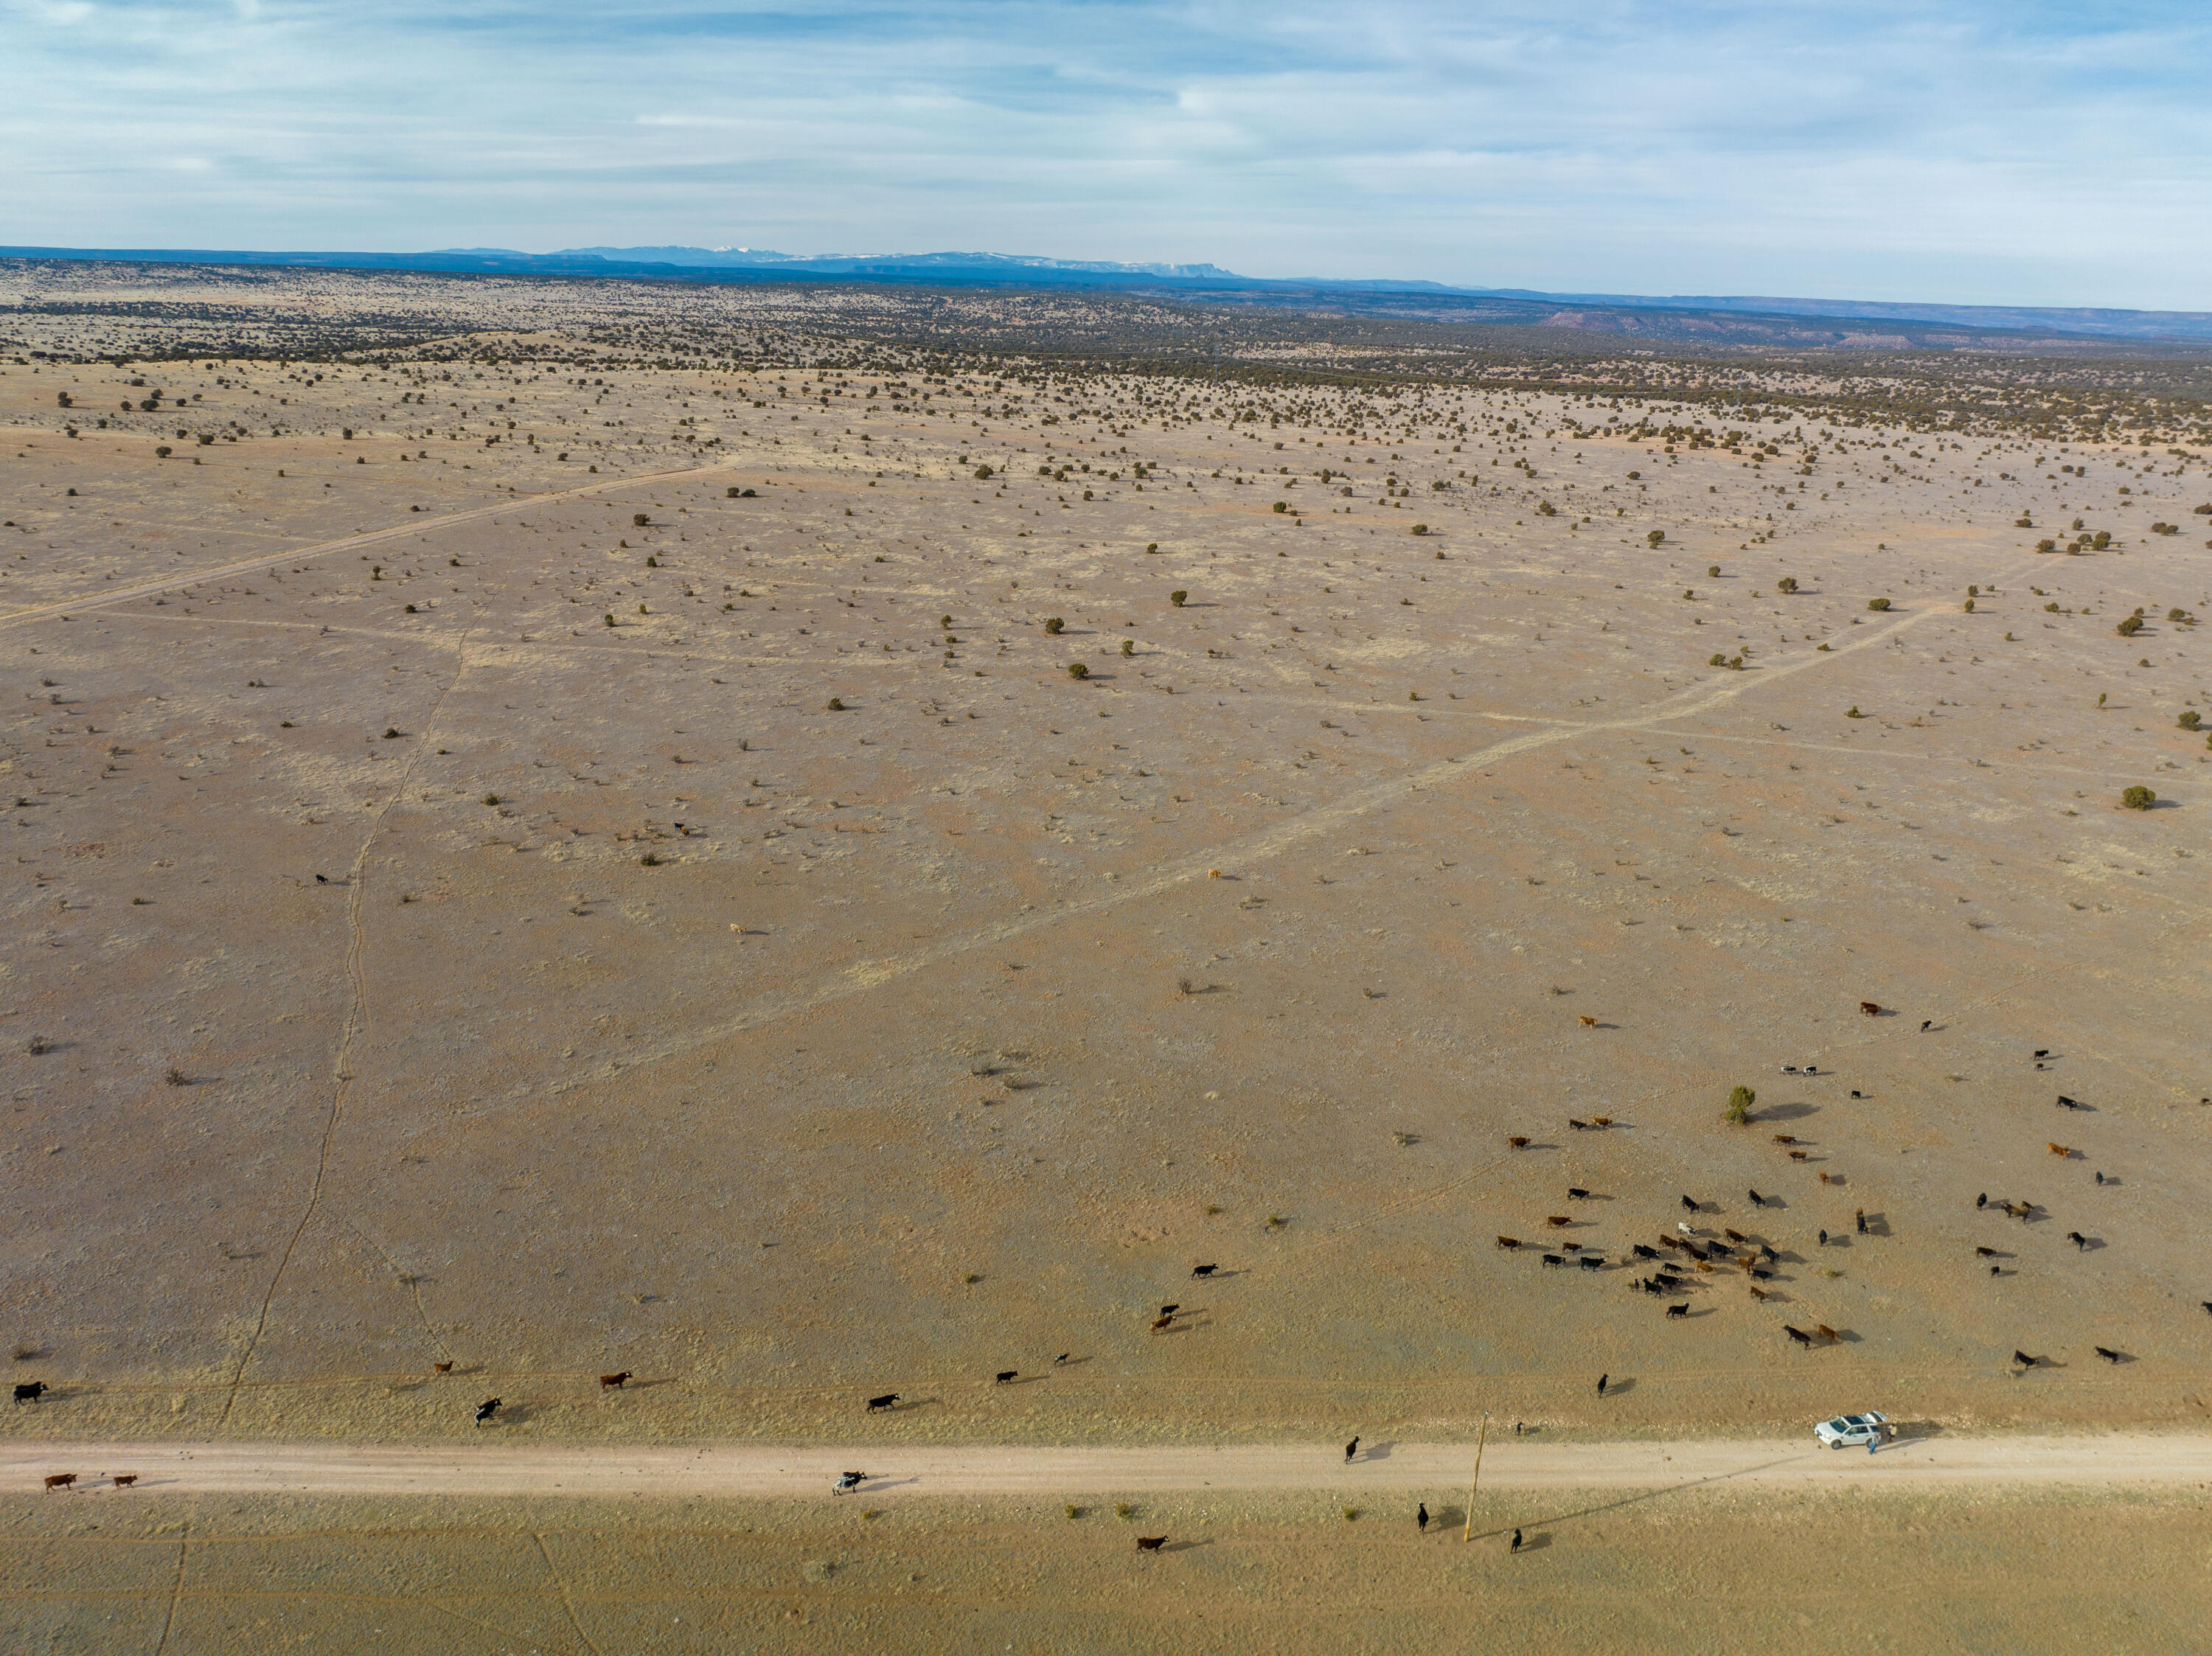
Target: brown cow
{"x":446,"y":1367}
{"x":1786,"y":1138}
{"x":1559,"y":1219}
{"x":61,"y":1481}
{"x":2061,"y":1151}
{"x":1590,"y":1024}
{"x":1601,"y":1121}
{"x":1758,"y":1293}
{"x":1870,"y":1009}
{"x":1151,"y":1543}
{"x":615,"y":1381}
{"x":1826,"y":1333}
{"x":1517,"y":1143}
{"x":1827,"y":1178}
{"x":1509,"y":1242}
{"x":124,"y":1480}
{"x":1796,"y":1155}
{"x":1158,"y":1323}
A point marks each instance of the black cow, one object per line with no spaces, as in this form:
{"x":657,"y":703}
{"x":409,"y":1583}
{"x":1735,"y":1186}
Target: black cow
{"x":1204,"y":1271}
{"x":1151,"y":1543}
{"x":1555,"y":1258}
{"x":1005,"y":1376}
{"x":1592,"y":1262}
{"x":889,"y":1400}
{"x":1643,"y":1252}
{"x":1689,"y":1205}
{"x":1757,"y":1200}
{"x":1678,"y":1311}
{"x":33,"y":1390}
{"x":2106,"y":1353}
{"x":486,"y":1409}
{"x":1579,"y":1195}
{"x":1798,"y":1335}
{"x":2081,"y":1242}
{"x":2023,"y":1359}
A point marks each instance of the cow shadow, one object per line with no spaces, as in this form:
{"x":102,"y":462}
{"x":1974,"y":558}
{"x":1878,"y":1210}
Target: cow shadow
{"x":1877,"y":1224}
{"x":2091,"y":1243}
{"x":1021,"y":1380}
{"x":2118,"y":1357}
{"x":643,"y":1385}
{"x":1535,"y":1542}
{"x":1846,"y":1337}
{"x":1184,"y":1546}
{"x":1618,"y":1388}
{"x":1377,"y":1451}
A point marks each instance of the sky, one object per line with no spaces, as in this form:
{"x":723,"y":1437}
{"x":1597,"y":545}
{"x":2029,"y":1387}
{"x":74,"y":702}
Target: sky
{"x":1968,"y":152}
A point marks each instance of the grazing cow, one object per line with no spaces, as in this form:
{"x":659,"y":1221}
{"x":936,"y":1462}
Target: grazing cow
{"x":1796,"y":1155}
{"x":446,"y":1367}
{"x":1518,"y":1142}
{"x":889,"y":1400}
{"x":1592,"y":1262}
{"x":1005,"y":1376}
{"x":1798,"y":1335}
{"x":616,"y":1380}
{"x":1678,"y":1311}
{"x":1683,"y":1225}
{"x":1063,"y":1356}
{"x":1759,"y":1294}
{"x":1643,"y":1252}
{"x":2043,"y":1051}
{"x":847,"y":1482}
{"x":1763,"y":1276}
{"x":1204,"y":1271}
{"x":2081,"y":1242}
{"x":1768,"y":1254}
{"x":1601,"y":1121}
{"x":2068,"y":1103}
{"x":1509,"y":1242}
{"x":1786,"y":1138}
{"x":1986,"y":1253}
{"x":1151,"y":1543}
{"x":1734,"y":1235}
{"x":1571,"y":1247}
{"x":2100,"y":1176}
{"x":1757,"y":1200}
{"x":1577,"y":1195}
{"x":1982,"y":1201}
{"x":1691,"y":1248}
{"x":1926,"y":1024}
{"x":1590,"y":1024}
{"x":62,"y":1481}
{"x":1555,"y":1258}
{"x":30,"y":1391}
{"x":1826,"y":1332}
{"x":122,"y":1480}
{"x":1718,"y":1250}
{"x":2106,"y":1353}
{"x":2023,"y":1359}
{"x":487,"y":1409}
{"x":1161,"y":1322}
{"x":1558,"y":1220}
{"x":1689,"y":1205}
{"x":2059,"y":1151}
{"x":1579,"y":1126}
{"x":1826,"y":1178}
{"x":1170,"y":1310}
{"x":1870,"y":1009}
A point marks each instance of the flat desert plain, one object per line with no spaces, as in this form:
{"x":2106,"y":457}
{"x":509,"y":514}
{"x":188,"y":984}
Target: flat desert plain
{"x":805,"y":883}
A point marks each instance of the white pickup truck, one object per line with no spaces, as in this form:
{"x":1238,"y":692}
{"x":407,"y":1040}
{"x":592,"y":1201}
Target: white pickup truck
{"x":1852,"y":1431}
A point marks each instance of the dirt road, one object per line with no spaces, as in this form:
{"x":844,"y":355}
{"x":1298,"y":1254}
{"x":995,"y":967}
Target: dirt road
{"x":749,"y":1470}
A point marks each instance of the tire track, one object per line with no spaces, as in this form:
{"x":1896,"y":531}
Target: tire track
{"x":357,"y":1023}
{"x":1284,"y":837}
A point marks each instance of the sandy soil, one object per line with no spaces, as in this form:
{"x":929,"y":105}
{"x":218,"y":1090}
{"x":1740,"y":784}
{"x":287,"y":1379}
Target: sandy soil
{"x":486,"y":944}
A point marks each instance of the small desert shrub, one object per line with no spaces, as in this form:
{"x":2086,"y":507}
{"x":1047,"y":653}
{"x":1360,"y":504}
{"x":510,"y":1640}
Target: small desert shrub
{"x":2103,"y":539}
{"x":1055,"y":625}
{"x":1657,"y":537}
{"x":1077,"y":670}
{"x":2130,"y":627}
{"x":973,"y":1277}
{"x":1151,"y":546}
{"x":162,"y":452}
{"x":1968,"y":606}
{"x":1718,"y":660}
{"x":640,"y":520}
{"x":1853,"y":712}
{"x":38,"y":1044}
{"x":2023,"y":522}
{"x":1713,"y":570}
{"x":177,"y":1077}
{"x":1739,"y":1101}
{"x":982,"y":472}
{"x":1285,"y":505}
{"x":1420,"y":529}
{"x":2138,"y":797}
{"x":1877,"y":603}
{"x":1072,"y":1510}
{"x":1786,"y":583}
{"x":649,"y":860}
{"x":491,"y":798}
{"x":2177,"y":615}
{"x":1128,"y":647}
{"x":392,"y":732}
{"x":1973,"y":592}
{"x":1124,"y":1511}
{"x":2046,"y":546}
{"x":1179,"y":598}
{"x":1350,"y":1514}
{"x":835,"y":705}
{"x":2190,"y":720}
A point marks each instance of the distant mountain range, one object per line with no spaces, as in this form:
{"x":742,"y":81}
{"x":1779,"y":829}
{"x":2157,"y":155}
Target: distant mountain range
{"x":1721,"y":318}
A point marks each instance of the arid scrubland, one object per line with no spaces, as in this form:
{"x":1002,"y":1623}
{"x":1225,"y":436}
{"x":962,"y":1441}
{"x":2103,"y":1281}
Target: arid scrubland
{"x":564,"y":847}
